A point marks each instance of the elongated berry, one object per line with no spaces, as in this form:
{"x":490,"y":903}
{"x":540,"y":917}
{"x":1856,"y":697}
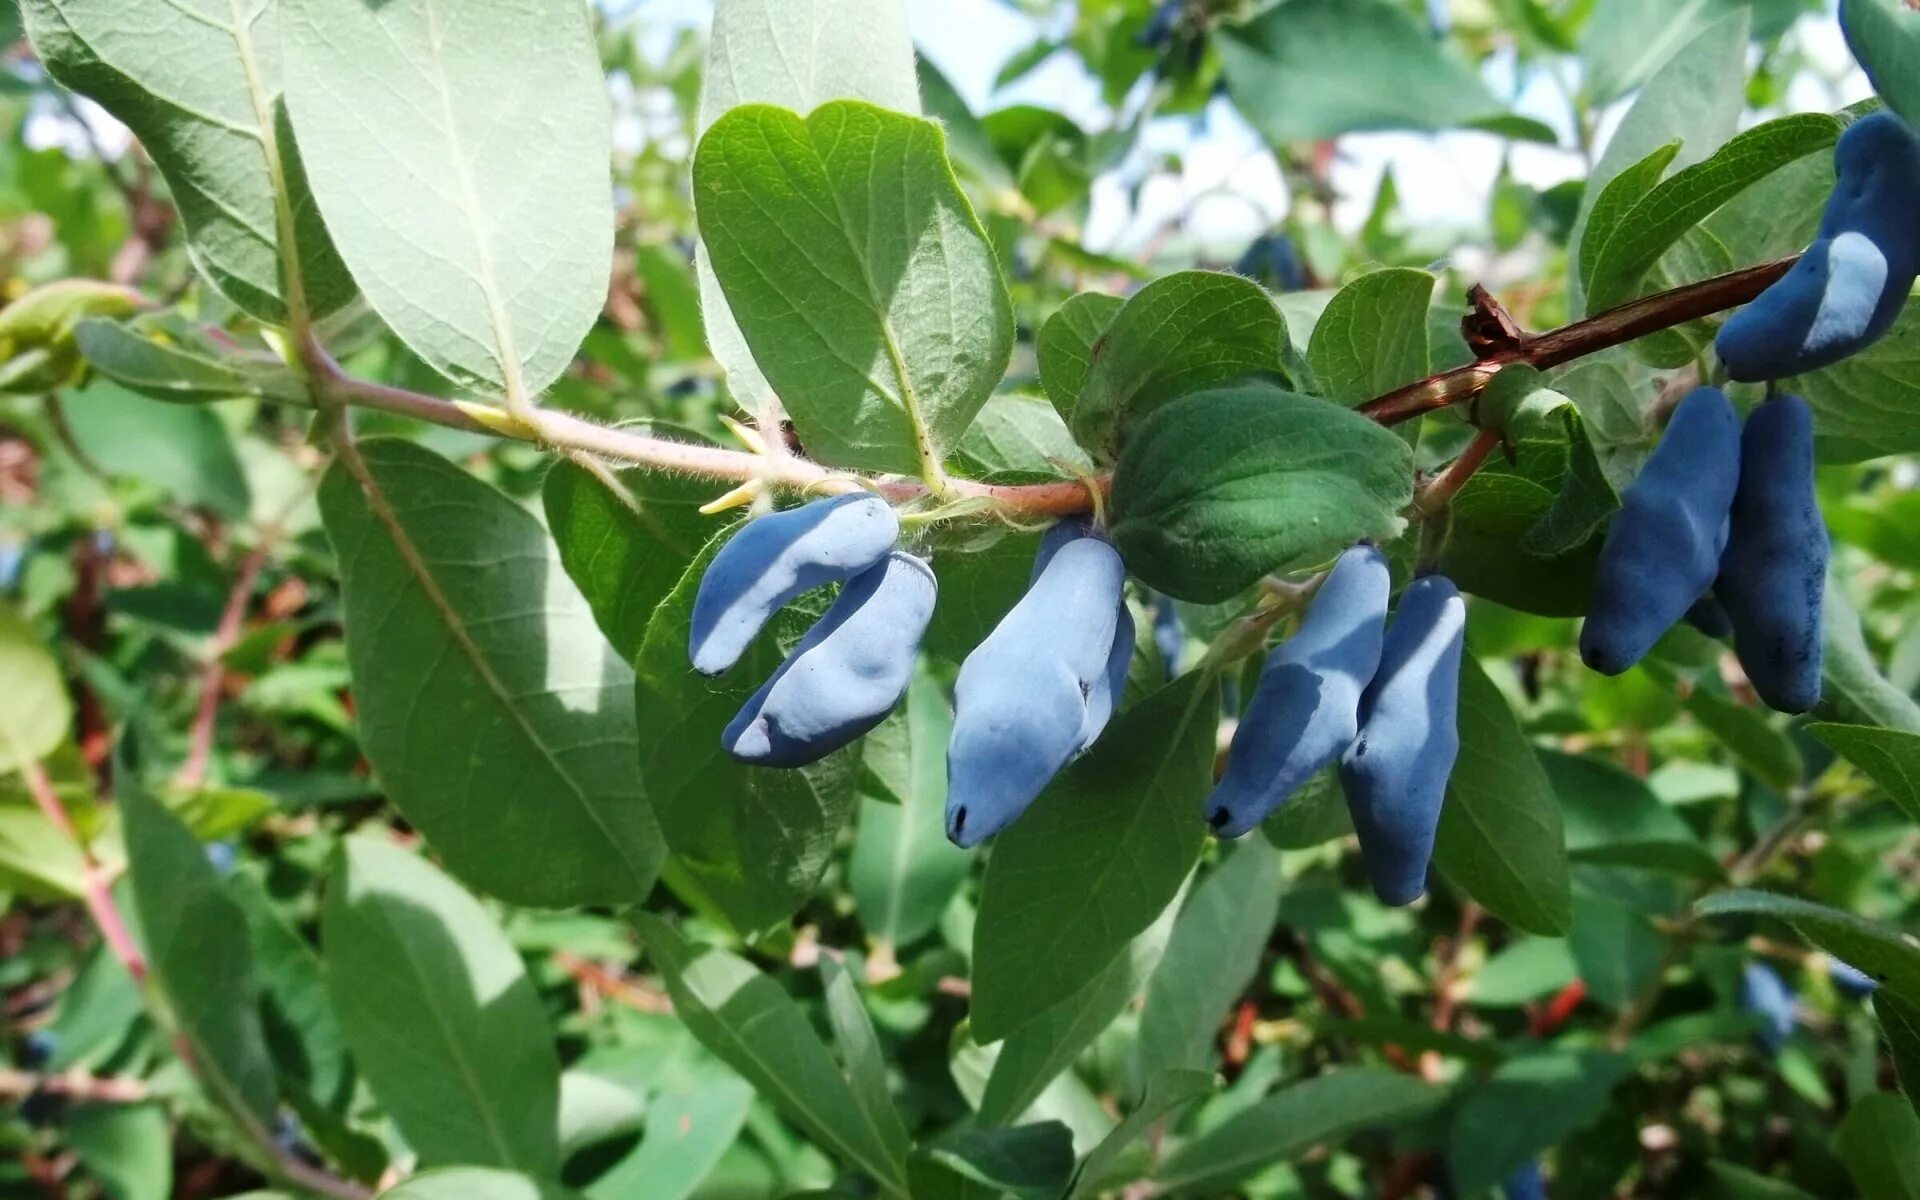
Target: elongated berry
{"x":1765,"y":994}
{"x":1306,"y":708}
{"x":1774,"y":571}
{"x":1662,"y":550}
{"x":846,"y":674}
{"x":1395,"y":772}
{"x":1849,"y":287}
{"x":775,"y":558}
{"x":1037,"y":690}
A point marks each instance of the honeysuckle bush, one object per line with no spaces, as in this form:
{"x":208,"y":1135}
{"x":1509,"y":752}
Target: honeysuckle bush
{"x":370,"y":422}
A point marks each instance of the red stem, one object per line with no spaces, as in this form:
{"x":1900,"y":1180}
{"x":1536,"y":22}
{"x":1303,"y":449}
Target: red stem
{"x":95,"y":886}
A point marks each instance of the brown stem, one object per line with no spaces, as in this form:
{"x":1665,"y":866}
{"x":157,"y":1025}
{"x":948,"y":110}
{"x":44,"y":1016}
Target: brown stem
{"x":213,"y":673}
{"x":95,"y":885}
{"x":75,"y":1085}
{"x":1442,"y":488}
{"x":1602,"y":331}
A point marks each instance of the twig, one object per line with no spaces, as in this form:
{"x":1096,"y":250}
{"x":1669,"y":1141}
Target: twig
{"x":74,"y":1085}
{"x":95,"y":885}
{"x":213,"y":673}
{"x":1442,"y":488}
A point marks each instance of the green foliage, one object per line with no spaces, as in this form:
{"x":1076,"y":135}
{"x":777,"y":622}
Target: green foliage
{"x":368,"y":425}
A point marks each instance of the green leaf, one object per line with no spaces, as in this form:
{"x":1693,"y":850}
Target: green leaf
{"x":1029,"y":1063}
{"x":967,"y":141}
{"x":1855,"y":691}
{"x":1317,"y":814}
{"x":1221,"y":488}
{"x":1884,"y":36}
{"x":1614,"y":819}
{"x":1586,"y":498}
{"x":1528,"y":1105}
{"x":1646,"y":231}
{"x":1759,"y":745}
{"x":688,"y":1131}
{"x":1868,"y":406}
{"x":199,"y":85}
{"x":1179,"y":334}
{"x":481,"y":680}
{"x":1372,"y":338}
{"x":303,"y":1036}
{"x":1019,"y":439}
{"x":198,"y":959}
{"x":1884,"y":953}
{"x":1900,"y":1022}
{"x":1215,"y":949}
{"x":1166,"y":1092}
{"x":756,"y":840}
{"x":1525,"y":970}
{"x":626,"y":558}
{"x":1313,"y":69}
{"x":442,"y":1018}
{"x":1030,"y":1162}
{"x":1738,"y":1183}
{"x":795,"y":56}
{"x":873,"y":303}
{"x":1292,"y":1120}
{"x":1617,"y":199}
{"x":165,"y":370}
{"x":1095,"y":860}
{"x":184,"y":454}
{"x":1880,"y":1143}
{"x":1695,"y":98}
{"x":491,"y":261}
{"x":1066,"y":345}
{"x":127,"y":1148}
{"x":903,"y":871}
{"x":861,"y":1057}
{"x":35,"y":711}
{"x":1617,"y":949}
{"x":745,"y":1019}
{"x":977,"y":589}
{"x":474,"y":1183}
{"x":1501,"y":839}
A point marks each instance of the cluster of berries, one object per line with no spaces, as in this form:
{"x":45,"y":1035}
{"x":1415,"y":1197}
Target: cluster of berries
{"x":1723,"y":526}
{"x":1383,"y":701}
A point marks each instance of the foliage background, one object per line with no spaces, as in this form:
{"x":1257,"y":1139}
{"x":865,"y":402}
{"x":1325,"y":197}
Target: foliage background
{"x":832,"y":1002}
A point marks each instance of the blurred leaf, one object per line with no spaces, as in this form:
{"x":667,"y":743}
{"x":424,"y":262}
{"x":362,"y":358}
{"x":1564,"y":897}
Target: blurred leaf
{"x":746,"y":1020}
{"x":1299,"y":1116}
{"x":1524,"y":970}
{"x":874,"y":304}
{"x":1165,"y":1093}
{"x":1095,"y":861}
{"x":687,"y":1132}
{"x":967,"y":141}
{"x":198,"y":959}
{"x":303,"y":1035}
{"x":1067,"y":344}
{"x":1890,"y":757}
{"x":1617,"y":949}
{"x":755,"y":839}
{"x":1884,"y":36}
{"x":442,"y":1018}
{"x":595,"y":1110}
{"x":1900,"y":1022}
{"x":1372,"y":338}
{"x":1031,"y":1162}
{"x":1223,"y":487}
{"x":126,"y":1147}
{"x":1885,"y":954}
{"x":1855,"y":691}
{"x":184,"y":454}
{"x":1501,"y":839}
{"x":1646,"y":231}
{"x":480,"y":679}
{"x":903,"y":871}
{"x":1738,"y":1183}
{"x":1760,"y":747}
{"x":1695,"y":97}
{"x":202,"y":94}
{"x":1178,"y":335}
{"x":1615,"y":819}
{"x":165,"y":371}
{"x":474,"y":1183}
{"x":861,"y":1058}
{"x":1528,"y":1105}
{"x":625,"y":558}
{"x":1316,"y":814}
{"x":35,"y":711}
{"x":795,"y":56}
{"x":502,"y":118}
{"x":1313,"y":69}
{"x":1210,"y":960}
{"x":1880,"y":1143}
